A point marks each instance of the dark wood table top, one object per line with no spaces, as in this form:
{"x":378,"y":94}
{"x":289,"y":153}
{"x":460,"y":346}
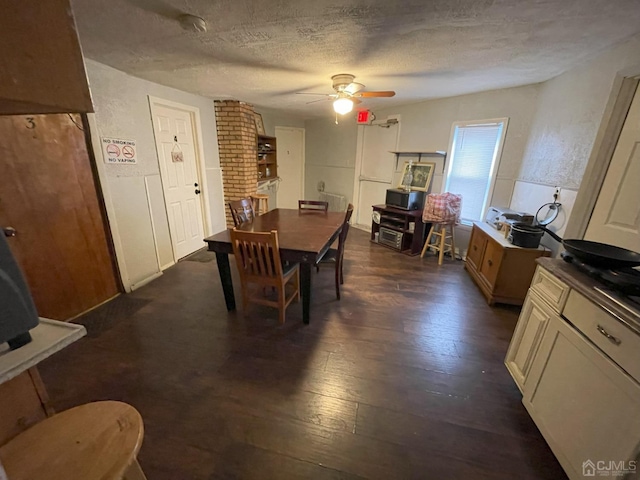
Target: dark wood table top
{"x":303,"y":235}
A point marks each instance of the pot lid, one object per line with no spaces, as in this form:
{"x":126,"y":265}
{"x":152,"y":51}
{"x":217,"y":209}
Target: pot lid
{"x":547,"y":213}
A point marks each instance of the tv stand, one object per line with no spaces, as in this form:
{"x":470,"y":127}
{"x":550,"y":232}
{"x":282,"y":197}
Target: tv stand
{"x":407,"y":223}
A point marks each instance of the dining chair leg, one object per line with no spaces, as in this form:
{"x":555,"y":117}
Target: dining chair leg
{"x":443,"y":235}
{"x":281,"y":303}
{"x":298,"y":284}
{"x":338,"y":278}
{"x":426,"y":242}
{"x":341,"y":271}
{"x":134,"y":472}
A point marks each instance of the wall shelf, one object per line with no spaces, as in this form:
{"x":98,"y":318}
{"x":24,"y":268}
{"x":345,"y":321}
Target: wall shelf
{"x":437,"y":153}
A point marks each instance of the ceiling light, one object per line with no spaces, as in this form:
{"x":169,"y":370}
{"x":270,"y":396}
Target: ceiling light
{"x":343,"y":105}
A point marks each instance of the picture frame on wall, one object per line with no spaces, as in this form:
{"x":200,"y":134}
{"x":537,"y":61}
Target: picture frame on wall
{"x":259,"y":123}
{"x":422,"y":174}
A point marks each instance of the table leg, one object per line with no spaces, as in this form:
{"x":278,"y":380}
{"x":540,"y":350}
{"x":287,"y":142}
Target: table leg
{"x":305,"y":280}
{"x":225,"y":279}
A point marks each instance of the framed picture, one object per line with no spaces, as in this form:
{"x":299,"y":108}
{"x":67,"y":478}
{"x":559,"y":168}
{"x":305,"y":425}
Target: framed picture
{"x":259,"y":123}
{"x":422,"y":173}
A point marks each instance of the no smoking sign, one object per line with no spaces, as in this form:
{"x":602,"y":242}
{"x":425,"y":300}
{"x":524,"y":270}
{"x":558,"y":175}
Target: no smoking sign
{"x":118,"y":150}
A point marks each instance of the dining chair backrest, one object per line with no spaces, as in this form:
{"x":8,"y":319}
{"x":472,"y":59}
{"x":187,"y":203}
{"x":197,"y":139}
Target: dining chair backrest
{"x":345,"y":230}
{"x":313,"y":205}
{"x":258,"y":256}
{"x":242,"y":211}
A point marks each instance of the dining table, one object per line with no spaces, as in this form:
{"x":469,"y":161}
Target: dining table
{"x":304,"y":237}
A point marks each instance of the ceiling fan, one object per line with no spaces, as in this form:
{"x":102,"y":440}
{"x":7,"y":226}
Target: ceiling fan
{"x":348,"y":93}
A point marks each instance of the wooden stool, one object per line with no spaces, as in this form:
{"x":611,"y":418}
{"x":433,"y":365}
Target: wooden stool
{"x":95,"y":441}
{"x":443,"y":233}
{"x":260,"y":203}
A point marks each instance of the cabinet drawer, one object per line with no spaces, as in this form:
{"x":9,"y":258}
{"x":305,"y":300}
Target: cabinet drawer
{"x":550,"y":288}
{"x":476,"y":247}
{"x":620,"y":343}
{"x":491,"y":262}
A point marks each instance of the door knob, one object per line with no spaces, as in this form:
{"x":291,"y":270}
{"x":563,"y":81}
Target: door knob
{"x":9,"y":231}
{"x":197,"y":192}
{"x":195,"y":184}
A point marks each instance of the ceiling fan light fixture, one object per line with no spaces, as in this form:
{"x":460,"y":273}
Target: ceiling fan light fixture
{"x":343,"y":105}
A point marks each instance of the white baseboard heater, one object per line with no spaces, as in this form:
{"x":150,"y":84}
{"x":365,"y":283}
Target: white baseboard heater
{"x":337,"y":202}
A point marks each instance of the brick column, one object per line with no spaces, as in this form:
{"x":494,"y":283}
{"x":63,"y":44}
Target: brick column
{"x":238,"y":150}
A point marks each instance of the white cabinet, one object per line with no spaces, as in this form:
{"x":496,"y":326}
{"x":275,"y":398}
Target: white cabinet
{"x":576,"y":364}
{"x":587,"y":408}
{"x":527,"y":336}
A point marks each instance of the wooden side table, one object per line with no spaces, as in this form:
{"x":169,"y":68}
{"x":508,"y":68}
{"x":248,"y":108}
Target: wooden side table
{"x":94,"y":441}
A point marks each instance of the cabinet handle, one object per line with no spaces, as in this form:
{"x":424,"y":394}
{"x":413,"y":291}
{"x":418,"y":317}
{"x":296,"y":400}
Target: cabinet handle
{"x":489,"y":262}
{"x":611,"y":338}
{"x":475,"y":247}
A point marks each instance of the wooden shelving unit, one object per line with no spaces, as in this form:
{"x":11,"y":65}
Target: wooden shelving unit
{"x":267,"y":160}
{"x":407,"y":222}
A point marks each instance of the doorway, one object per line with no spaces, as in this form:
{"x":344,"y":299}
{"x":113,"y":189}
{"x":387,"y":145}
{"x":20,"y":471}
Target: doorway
{"x":290,"y":166}
{"x":375,"y":165}
{"x":50,"y":196}
{"x":177,"y":132}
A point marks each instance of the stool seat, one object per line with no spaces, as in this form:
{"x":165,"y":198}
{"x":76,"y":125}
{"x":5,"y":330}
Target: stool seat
{"x":442,"y":232}
{"x":95,"y":441}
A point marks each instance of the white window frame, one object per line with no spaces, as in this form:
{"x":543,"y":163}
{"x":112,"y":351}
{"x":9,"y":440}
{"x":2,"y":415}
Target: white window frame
{"x":495,"y":163}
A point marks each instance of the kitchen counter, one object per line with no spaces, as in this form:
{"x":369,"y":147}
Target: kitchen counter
{"x":49,"y":337}
{"x":621,"y":308}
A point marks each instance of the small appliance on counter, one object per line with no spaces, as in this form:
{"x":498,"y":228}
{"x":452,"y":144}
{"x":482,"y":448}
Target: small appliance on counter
{"x":413,"y":200}
{"x":497,"y":215}
{"x":18,"y":313}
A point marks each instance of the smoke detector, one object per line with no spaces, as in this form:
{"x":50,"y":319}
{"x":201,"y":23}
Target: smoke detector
{"x":191,"y":23}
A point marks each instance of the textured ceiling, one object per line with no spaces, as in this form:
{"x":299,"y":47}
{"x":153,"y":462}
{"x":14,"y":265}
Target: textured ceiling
{"x":262,"y":52}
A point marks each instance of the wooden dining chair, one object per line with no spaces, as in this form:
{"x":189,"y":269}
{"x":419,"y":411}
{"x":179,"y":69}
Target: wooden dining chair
{"x":242,"y":211}
{"x":259,"y":264}
{"x":336,"y":256}
{"x":313,"y":205}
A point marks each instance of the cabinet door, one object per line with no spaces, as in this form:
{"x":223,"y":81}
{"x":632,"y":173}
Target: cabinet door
{"x":526,"y":339}
{"x":491,"y":261}
{"x":584,"y":404}
{"x":476,"y":248}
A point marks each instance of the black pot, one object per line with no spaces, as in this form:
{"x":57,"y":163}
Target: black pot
{"x":526,"y":236}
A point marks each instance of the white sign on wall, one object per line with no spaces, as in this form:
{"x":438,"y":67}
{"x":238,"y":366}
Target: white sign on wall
{"x":116,"y":150}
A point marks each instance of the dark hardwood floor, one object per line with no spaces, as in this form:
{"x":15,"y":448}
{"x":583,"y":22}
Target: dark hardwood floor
{"x":403,"y":378}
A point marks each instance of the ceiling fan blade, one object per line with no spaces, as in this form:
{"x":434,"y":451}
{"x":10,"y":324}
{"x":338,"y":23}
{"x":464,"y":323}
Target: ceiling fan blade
{"x":353,"y":87}
{"x":320,"y":100}
{"x":388,"y":93}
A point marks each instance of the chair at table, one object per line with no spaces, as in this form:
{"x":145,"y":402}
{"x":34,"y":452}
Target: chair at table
{"x":336,"y":256}
{"x":443,"y":212}
{"x":258,"y":259}
{"x":242,"y":211}
{"x":313,"y":206}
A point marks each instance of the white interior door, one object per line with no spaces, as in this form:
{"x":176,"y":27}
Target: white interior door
{"x":173,"y":131}
{"x":290,"y":166}
{"x":377,"y":165}
{"x":616,"y":216}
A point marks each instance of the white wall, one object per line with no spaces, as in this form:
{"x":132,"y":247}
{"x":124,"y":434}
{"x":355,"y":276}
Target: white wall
{"x":133,"y":193}
{"x":425,"y":126}
{"x":330,"y":156}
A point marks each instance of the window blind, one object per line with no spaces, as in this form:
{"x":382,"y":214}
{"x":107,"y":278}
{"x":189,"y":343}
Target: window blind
{"x":472,"y":164}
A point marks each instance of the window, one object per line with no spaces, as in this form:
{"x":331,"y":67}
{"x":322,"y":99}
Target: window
{"x":475,"y":151}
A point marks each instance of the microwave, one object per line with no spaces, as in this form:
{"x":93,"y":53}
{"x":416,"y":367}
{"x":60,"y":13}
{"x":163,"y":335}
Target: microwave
{"x":413,"y":200}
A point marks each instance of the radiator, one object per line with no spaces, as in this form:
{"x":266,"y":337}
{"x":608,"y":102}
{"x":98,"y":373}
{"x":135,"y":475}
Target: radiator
{"x":337,"y":202}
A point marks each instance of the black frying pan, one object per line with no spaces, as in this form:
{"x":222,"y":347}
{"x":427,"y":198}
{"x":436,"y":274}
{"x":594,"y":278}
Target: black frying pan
{"x":598,"y":254}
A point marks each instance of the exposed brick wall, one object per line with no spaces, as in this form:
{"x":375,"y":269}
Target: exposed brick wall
{"x":238,"y":150}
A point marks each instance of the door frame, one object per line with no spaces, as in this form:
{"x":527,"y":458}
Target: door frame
{"x":196,"y":128}
{"x":304,"y":148}
{"x":622,"y":93}
{"x":357,"y":172}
